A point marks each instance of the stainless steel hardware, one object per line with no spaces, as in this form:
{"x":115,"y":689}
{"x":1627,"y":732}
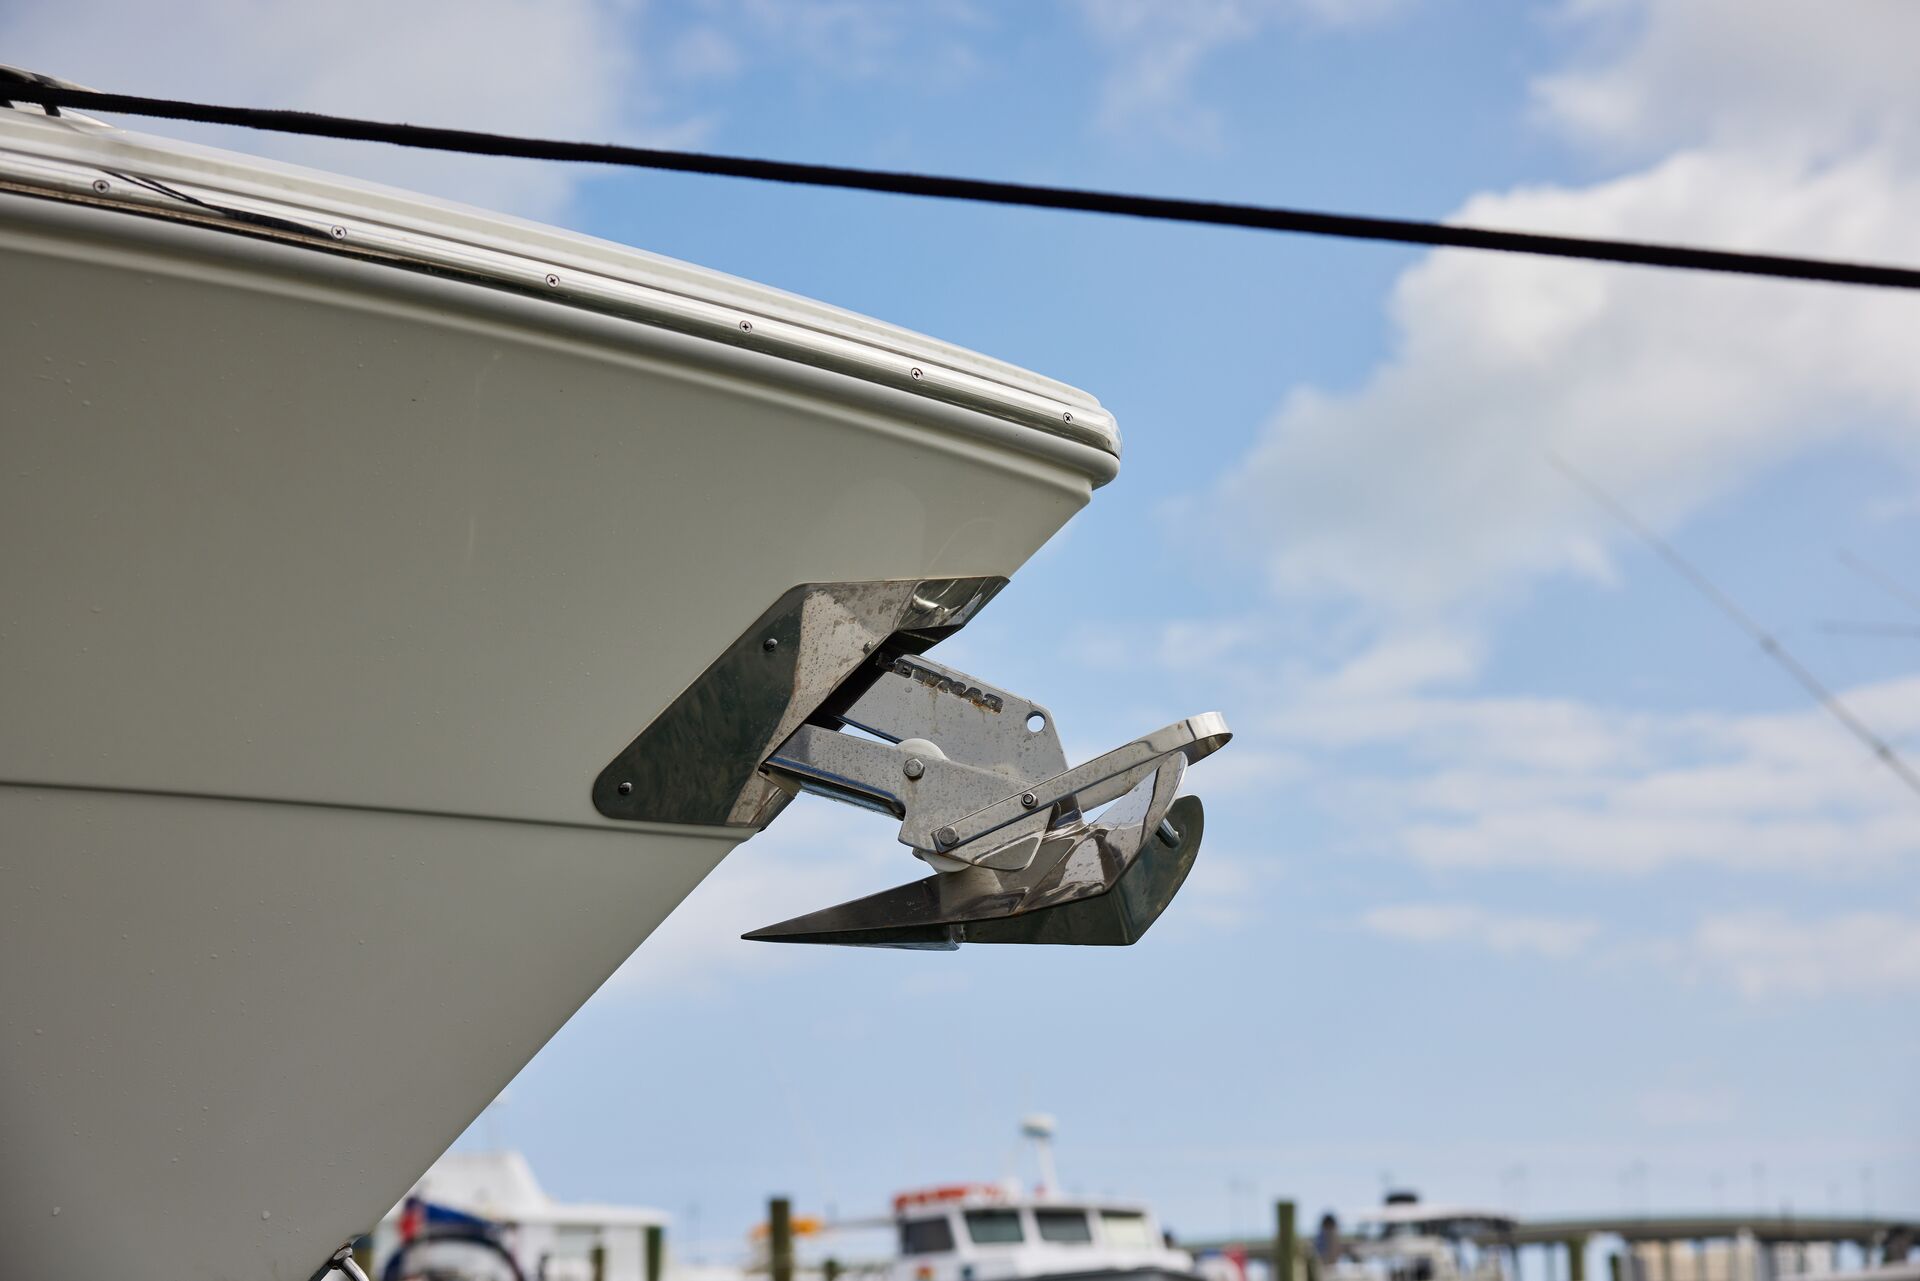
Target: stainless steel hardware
{"x":830,"y":692}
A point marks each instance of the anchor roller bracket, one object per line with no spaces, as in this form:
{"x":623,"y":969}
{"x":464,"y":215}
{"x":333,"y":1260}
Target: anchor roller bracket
{"x":830,"y":691}
{"x":981,"y":787}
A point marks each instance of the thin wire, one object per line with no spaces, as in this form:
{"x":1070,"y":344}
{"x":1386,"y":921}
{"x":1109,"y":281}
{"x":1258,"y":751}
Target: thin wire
{"x":18,"y":88}
{"x":1885,"y":582}
{"x":1769,"y":644}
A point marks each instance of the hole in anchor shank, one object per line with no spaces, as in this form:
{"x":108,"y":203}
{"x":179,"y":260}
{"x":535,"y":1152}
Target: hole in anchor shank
{"x":1036,"y":721}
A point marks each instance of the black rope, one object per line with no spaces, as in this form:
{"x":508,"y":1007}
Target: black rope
{"x":1206,"y":212}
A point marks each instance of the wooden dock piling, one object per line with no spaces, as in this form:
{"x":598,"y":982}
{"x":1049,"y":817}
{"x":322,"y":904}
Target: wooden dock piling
{"x":1284,"y":1248}
{"x":780,"y":1239}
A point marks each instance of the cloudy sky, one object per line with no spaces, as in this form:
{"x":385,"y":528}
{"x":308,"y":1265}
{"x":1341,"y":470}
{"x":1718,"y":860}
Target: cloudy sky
{"x":1529,"y":879}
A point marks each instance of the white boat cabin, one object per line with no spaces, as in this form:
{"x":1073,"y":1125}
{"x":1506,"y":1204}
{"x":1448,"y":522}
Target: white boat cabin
{"x":985,"y":1232}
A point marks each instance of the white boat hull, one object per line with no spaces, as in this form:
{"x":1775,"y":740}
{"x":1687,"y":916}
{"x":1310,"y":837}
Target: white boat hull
{"x":235,"y":1030}
{"x":326,"y":590}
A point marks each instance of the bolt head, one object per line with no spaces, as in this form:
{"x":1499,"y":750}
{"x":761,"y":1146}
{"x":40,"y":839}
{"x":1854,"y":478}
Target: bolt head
{"x":944,"y":837}
{"x":915,"y":767}
{"x":1029,"y":800}
{"x":553,"y":281}
{"x":625,"y":789}
{"x":770,"y":644}
{"x":102,"y":186}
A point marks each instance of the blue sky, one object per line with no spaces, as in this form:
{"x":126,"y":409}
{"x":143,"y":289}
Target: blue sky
{"x":1526,"y":869}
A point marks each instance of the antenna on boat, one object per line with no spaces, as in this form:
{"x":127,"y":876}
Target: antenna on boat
{"x":1038,"y":1128}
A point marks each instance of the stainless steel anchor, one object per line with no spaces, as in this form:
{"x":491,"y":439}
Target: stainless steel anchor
{"x":830,"y":692}
{"x":981,"y":786}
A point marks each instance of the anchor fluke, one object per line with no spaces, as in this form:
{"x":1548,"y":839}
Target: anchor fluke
{"x":905,"y":916}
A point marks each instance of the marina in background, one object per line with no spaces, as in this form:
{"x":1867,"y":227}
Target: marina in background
{"x":478,"y":1216}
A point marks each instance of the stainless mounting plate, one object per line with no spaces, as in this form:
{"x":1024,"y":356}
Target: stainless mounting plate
{"x":699,"y":761}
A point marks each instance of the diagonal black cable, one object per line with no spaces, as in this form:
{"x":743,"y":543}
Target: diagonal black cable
{"x":21,"y":88}
{"x":1769,"y":643}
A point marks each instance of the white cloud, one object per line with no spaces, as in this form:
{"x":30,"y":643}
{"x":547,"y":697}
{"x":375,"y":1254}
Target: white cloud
{"x":1510,"y":933}
{"x":1770,"y":955}
{"x":556,"y":68}
{"x":1175,"y":645}
{"x":1158,"y":49}
{"x":1764,"y":955}
{"x":1428,"y":484}
{"x":1188,"y":643}
{"x":1498,"y":782}
{"x":1740,"y":72}
{"x":1400,"y":663}
{"x":1431,"y":485}
{"x":1418,"y":500}
{"x":1394,"y":744}
{"x":1250,"y":770}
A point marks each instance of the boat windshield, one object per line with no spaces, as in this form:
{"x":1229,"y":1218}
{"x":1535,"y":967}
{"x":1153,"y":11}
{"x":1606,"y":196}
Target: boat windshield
{"x":1064,"y":1226}
{"x":994,"y":1227}
{"x":926,"y":1236}
{"x":1125,"y":1230}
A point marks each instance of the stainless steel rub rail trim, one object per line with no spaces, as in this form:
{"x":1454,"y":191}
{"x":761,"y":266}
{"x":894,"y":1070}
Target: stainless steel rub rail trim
{"x":33,"y":175}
